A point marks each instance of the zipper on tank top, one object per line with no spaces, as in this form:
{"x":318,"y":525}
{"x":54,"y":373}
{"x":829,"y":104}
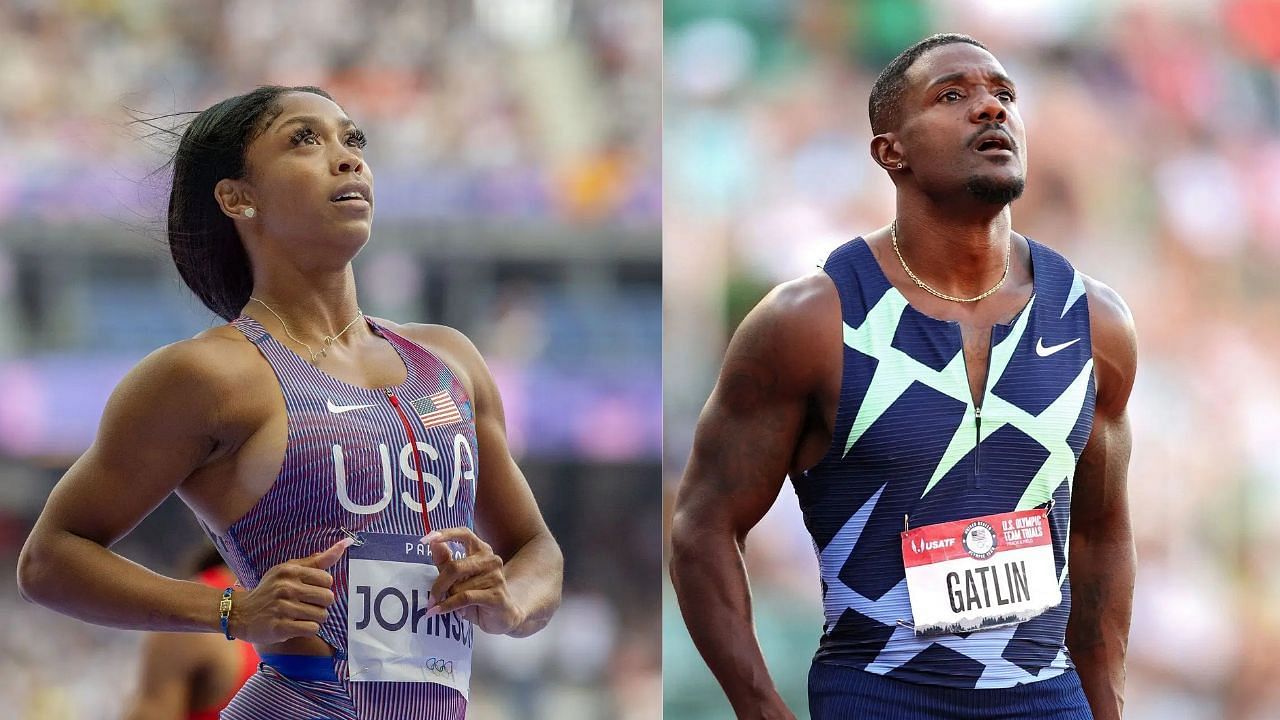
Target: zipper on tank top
{"x":417,"y":460}
{"x":977,"y":407}
{"x":977,"y":445}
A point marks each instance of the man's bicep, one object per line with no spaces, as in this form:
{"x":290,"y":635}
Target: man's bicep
{"x":748,"y":431}
{"x":1100,"y":493}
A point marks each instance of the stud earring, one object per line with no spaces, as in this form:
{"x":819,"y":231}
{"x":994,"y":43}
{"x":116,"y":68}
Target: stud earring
{"x":250,"y":212}
{"x":899,"y":167}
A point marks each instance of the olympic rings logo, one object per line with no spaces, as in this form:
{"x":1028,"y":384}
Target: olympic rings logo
{"x":440,"y":666}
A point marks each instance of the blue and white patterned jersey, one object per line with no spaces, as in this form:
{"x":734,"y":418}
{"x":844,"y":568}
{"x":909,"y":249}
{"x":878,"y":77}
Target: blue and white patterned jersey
{"x":909,"y":441}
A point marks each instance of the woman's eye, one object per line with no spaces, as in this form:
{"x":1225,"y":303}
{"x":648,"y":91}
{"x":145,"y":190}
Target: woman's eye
{"x":951,"y":95}
{"x":305,"y":136}
{"x":1005,"y":95}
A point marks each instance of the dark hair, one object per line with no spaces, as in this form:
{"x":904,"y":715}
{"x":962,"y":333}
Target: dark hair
{"x":203,"y":241}
{"x":886,"y":95}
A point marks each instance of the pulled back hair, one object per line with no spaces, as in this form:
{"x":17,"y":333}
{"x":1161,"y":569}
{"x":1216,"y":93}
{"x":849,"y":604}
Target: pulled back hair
{"x":885,"y":104}
{"x":204,"y":242}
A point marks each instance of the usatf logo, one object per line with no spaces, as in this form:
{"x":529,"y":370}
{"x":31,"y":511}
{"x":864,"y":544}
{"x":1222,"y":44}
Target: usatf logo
{"x":979,"y":540}
{"x":920,"y":545}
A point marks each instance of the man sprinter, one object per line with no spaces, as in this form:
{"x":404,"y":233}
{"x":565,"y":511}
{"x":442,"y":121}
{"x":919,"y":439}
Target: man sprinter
{"x":948,"y":398}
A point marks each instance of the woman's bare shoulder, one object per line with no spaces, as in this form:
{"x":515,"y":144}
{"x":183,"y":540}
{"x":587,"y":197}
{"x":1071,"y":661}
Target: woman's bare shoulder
{"x":214,"y":357}
{"x":449,"y":344}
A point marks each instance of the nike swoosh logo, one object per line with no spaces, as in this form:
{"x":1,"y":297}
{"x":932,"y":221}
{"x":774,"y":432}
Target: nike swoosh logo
{"x":1043,"y":351}
{"x":335,"y":409}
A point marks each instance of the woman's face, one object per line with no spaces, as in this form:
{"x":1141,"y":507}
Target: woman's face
{"x":306,"y":178}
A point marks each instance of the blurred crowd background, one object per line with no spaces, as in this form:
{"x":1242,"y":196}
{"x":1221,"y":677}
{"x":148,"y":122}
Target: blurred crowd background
{"x":1154,"y":137}
{"x":516,"y":148}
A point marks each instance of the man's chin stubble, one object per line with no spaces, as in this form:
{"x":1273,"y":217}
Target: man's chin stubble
{"x":995,"y":192}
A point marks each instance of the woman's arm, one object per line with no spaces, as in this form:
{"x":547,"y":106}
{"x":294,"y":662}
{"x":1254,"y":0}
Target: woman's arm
{"x":512,"y":578}
{"x":157,"y":428}
{"x":164,"y":420}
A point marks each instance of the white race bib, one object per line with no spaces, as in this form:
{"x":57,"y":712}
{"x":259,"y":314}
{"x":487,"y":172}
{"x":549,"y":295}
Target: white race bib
{"x":984,"y":572}
{"x":389,"y":639}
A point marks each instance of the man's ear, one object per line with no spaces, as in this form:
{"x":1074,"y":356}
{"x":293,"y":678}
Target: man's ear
{"x":234,"y":198}
{"x":887,"y":152}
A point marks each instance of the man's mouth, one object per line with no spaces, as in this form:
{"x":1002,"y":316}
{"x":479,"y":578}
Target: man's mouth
{"x":993,"y":142}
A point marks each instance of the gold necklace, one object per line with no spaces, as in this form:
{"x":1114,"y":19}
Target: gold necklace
{"x":893,"y":231}
{"x":329,"y":340}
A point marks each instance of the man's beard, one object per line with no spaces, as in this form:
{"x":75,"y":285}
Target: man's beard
{"x":996,"y":192}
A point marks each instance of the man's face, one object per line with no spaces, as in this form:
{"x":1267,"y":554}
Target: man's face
{"x":960,"y":127}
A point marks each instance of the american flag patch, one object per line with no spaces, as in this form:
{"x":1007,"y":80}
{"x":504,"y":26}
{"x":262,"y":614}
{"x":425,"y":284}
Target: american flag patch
{"x":436,"y":409}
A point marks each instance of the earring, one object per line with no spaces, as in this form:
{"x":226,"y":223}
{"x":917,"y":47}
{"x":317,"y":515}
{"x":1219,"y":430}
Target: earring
{"x":899,"y":167}
{"x":250,"y":212}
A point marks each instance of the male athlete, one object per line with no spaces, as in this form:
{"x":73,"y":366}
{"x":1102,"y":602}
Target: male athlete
{"x":948,"y":398}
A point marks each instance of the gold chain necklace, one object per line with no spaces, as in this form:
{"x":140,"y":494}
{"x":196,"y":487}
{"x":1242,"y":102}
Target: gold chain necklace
{"x":329,"y":340}
{"x":893,"y":231}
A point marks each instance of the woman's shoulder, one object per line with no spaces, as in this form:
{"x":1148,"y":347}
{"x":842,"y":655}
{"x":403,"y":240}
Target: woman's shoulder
{"x":215,"y":360}
{"x":204,"y":386}
{"x":435,"y":338}
{"x":453,"y":348}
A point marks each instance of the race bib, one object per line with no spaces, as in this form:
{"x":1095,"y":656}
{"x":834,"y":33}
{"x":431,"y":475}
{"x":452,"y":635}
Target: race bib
{"x":985,"y":572}
{"x":389,"y":637}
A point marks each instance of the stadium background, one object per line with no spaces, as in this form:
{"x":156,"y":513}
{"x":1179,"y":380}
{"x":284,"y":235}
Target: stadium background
{"x":516,"y":150}
{"x":1154,"y":137}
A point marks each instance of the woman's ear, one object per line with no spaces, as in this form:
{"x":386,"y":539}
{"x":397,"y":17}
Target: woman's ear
{"x":234,"y":199}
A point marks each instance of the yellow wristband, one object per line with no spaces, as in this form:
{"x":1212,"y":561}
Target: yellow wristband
{"x":224,"y":612}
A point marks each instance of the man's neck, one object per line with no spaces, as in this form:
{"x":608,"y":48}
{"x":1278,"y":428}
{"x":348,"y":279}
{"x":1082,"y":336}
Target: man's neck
{"x":956,"y":253}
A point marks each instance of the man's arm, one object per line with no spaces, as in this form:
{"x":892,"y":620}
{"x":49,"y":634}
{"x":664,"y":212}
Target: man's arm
{"x":167,"y":667}
{"x":744,"y":445}
{"x":1102,"y":556}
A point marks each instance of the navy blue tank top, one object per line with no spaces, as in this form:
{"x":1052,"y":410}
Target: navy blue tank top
{"x":909,"y":440}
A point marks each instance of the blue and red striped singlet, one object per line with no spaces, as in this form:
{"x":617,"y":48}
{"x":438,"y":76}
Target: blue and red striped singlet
{"x":350,"y":466}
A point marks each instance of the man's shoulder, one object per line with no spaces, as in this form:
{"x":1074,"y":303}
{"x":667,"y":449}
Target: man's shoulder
{"x":1108,"y":311}
{"x":1115,"y":340}
{"x":790,"y":328}
{"x":803,"y":297}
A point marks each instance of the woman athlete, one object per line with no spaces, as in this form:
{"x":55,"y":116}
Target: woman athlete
{"x":338,"y":462}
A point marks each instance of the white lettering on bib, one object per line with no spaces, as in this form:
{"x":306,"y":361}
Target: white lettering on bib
{"x":389,"y":637}
{"x":984,"y":572}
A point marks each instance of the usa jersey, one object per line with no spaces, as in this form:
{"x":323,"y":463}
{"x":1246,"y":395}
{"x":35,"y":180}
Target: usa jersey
{"x":355,"y":460}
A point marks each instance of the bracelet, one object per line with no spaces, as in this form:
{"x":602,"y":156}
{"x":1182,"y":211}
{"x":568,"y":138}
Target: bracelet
{"x":224,"y":611}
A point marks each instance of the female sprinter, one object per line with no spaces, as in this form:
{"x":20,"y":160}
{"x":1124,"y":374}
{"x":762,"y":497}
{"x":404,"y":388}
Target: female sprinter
{"x":338,"y":462}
